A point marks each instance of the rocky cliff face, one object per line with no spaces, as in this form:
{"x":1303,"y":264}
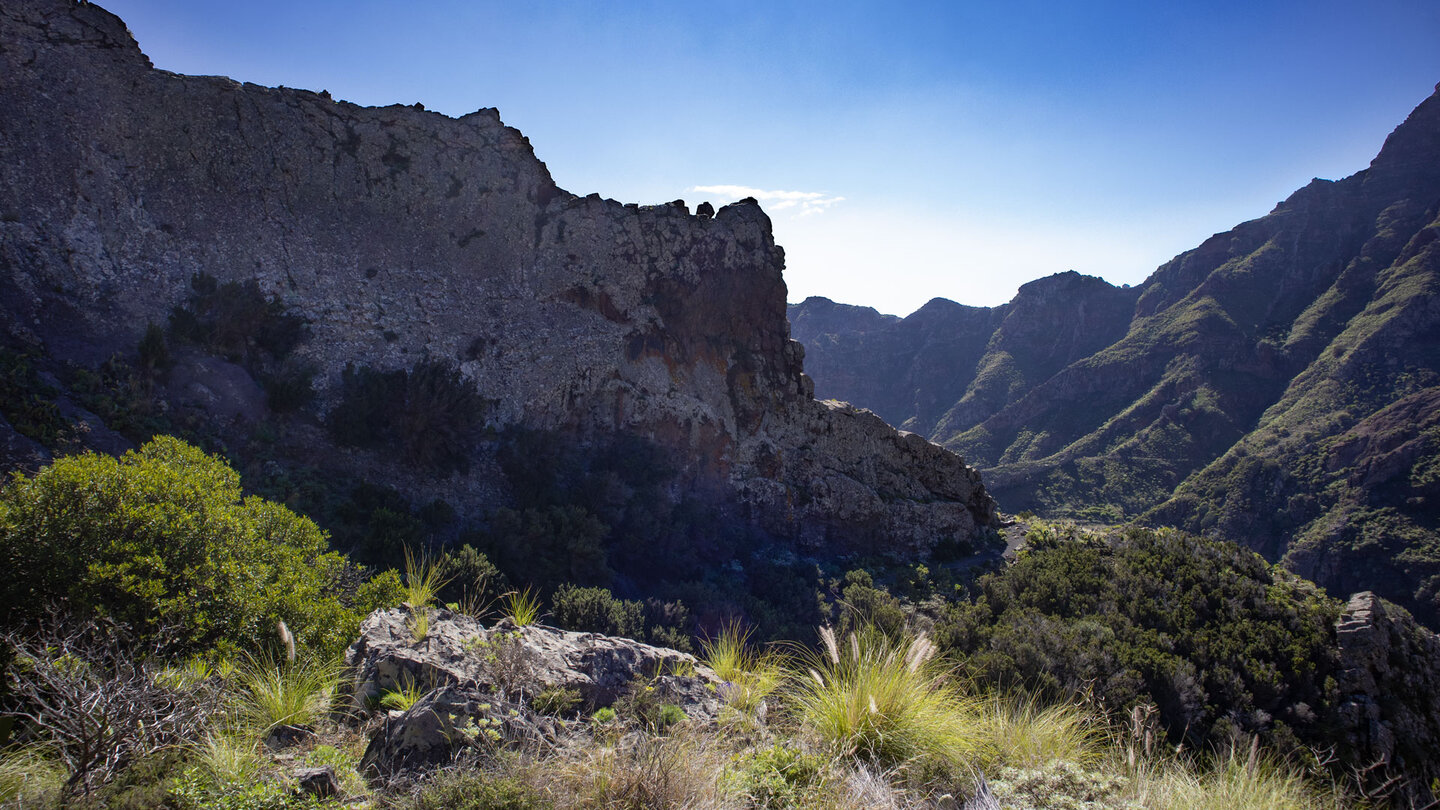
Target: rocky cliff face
{"x":402,"y":236}
{"x":1274,"y":386}
{"x":1388,"y":714}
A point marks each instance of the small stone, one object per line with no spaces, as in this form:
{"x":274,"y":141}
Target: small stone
{"x":319,"y":782}
{"x":282,"y":737}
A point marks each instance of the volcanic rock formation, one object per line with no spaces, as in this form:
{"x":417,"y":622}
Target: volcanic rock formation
{"x":401,"y":237}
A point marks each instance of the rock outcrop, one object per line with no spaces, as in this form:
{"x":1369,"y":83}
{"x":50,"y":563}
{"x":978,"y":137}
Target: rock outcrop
{"x":458,"y":651}
{"x":483,"y":687}
{"x":403,"y":236}
{"x":1388,"y":689}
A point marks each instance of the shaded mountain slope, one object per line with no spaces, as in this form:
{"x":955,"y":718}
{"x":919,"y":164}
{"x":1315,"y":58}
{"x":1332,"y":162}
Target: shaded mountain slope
{"x":427,"y":300}
{"x":1271,"y":387}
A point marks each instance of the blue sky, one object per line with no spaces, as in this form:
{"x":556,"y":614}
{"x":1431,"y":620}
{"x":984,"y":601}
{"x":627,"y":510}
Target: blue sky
{"x":909,"y":150}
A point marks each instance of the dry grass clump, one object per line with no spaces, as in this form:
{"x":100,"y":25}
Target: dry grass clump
{"x":29,"y":779}
{"x":1231,"y":782}
{"x":750,"y":676}
{"x":1021,"y":732}
{"x":883,"y":700}
{"x":684,"y":768}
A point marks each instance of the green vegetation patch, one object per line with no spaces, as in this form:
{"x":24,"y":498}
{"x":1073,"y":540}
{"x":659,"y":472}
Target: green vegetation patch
{"x":162,"y":539}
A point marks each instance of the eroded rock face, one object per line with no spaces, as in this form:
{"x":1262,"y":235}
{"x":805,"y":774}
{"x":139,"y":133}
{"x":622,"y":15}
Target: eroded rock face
{"x":402,"y":235}
{"x":1389,"y":688}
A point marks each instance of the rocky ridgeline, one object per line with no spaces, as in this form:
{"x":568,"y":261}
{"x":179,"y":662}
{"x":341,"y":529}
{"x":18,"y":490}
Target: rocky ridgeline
{"x":402,"y":235}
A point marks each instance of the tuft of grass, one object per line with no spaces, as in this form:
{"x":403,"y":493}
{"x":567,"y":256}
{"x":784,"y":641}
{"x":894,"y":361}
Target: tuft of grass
{"x":420,"y":623}
{"x":750,"y":677}
{"x":424,"y":578}
{"x":404,"y":697}
{"x":1232,"y":782}
{"x":1020,"y":732}
{"x":227,"y":759}
{"x":884,"y":700}
{"x":522,"y":607}
{"x":679,"y":770}
{"x":30,"y":779}
{"x":272,"y":694}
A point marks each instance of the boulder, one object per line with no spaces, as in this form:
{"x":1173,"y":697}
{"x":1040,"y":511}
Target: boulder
{"x":520,"y":662}
{"x":447,"y":721}
{"x":1389,"y":691}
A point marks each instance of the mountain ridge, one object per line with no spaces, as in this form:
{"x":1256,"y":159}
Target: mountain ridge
{"x":1252,"y":355}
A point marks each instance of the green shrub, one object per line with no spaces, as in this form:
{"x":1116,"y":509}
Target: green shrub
{"x":781,"y":777}
{"x":596,"y":610}
{"x":154,"y":353}
{"x":290,"y":388}
{"x":162,"y":539}
{"x":550,"y":546}
{"x":557,"y":701}
{"x":26,"y":401}
{"x":428,"y":414}
{"x":1218,"y":639}
{"x":235,"y":319}
{"x":475,"y":583}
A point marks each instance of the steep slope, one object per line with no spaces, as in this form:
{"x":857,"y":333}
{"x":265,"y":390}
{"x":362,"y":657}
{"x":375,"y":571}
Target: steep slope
{"x":1272,"y":386}
{"x":903,"y":370}
{"x":406,"y":241}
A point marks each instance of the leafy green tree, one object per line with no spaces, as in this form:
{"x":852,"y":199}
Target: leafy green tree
{"x":163,"y":538}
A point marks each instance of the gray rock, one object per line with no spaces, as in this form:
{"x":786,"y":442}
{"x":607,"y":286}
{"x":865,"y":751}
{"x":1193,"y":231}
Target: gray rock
{"x":520,"y":662}
{"x":447,"y":721}
{"x":318,"y":782}
{"x":400,"y":234}
{"x":1389,"y":691}
{"x":282,"y":737}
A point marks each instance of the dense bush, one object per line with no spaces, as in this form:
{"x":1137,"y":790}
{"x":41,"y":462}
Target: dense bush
{"x":162,"y":539}
{"x":1223,"y":643}
{"x":596,"y":610}
{"x":548,"y":547}
{"x":429,"y":414}
{"x":237,"y":320}
{"x":26,"y":401}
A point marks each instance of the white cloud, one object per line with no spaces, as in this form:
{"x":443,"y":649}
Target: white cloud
{"x":805,"y":202}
